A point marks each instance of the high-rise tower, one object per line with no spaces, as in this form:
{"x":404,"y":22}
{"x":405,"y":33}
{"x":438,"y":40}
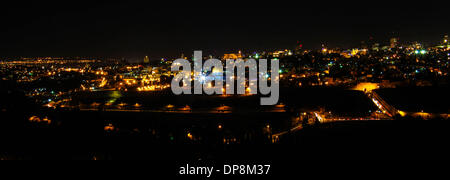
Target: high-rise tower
{"x":394,"y":42}
{"x":445,"y":40}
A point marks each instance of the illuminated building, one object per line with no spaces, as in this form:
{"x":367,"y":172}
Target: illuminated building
{"x":298,"y":48}
{"x":278,"y":53}
{"x":394,"y":42}
{"x":233,"y":56}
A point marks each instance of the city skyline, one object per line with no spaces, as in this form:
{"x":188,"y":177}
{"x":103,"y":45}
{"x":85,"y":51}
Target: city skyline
{"x":371,"y":45}
{"x":225,"y":89}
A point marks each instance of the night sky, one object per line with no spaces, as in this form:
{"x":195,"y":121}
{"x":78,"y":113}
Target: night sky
{"x":133,"y":30}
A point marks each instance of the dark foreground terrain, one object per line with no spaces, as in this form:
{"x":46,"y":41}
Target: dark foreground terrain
{"x":166,"y":141}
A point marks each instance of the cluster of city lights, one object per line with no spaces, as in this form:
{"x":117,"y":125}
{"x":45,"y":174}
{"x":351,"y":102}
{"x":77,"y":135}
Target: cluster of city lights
{"x":36,"y":119}
{"x":153,"y":87}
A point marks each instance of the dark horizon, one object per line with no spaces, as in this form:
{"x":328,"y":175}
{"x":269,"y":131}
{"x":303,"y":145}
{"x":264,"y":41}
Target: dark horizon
{"x":134,"y":30}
